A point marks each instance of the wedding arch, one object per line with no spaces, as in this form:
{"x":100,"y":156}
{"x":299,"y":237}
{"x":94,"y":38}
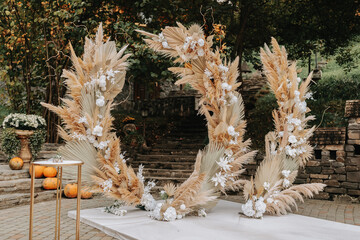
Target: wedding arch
{"x":99,"y":76}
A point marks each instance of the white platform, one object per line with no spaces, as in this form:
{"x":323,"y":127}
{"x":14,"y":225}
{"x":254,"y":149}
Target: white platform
{"x":223,"y":222}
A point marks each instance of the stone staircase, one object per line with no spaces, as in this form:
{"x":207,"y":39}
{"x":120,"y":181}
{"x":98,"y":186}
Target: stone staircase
{"x":172,"y":158}
{"x":15,"y":184}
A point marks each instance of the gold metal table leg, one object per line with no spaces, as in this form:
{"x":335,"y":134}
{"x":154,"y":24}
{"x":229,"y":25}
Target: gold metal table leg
{"x":32,"y":189}
{"x":60,"y":195}
{"x":57,"y":204}
{"x":78,"y":203}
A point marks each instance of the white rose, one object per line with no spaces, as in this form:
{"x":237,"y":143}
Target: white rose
{"x":100,"y":101}
{"x":97,"y":131}
{"x":201,"y":42}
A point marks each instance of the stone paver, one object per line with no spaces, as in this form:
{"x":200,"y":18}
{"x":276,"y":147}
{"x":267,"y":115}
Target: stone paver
{"x":14,"y":222}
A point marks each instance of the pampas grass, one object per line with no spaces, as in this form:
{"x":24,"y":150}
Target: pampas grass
{"x":219,"y":165}
{"x":287,"y":148}
{"x":92,"y":85}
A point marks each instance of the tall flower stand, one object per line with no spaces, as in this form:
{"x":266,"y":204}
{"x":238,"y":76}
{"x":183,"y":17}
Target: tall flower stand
{"x":59,"y":166}
{"x":25,"y":153}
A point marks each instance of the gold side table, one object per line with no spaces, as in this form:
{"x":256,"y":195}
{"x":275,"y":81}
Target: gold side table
{"x":59,"y":166}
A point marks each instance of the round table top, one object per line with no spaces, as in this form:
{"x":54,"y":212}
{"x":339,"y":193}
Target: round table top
{"x":50,"y":162}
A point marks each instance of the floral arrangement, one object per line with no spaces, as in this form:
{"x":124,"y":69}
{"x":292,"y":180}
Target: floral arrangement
{"x":87,"y":123}
{"x":218,"y":166}
{"x":287,"y":148}
{"x":23,"y":121}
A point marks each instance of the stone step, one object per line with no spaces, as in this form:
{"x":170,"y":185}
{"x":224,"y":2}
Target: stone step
{"x":7,"y":174}
{"x":19,"y":186}
{"x":179,"y":145}
{"x":17,"y":199}
{"x":46,"y":154}
{"x":165,"y":165}
{"x":181,"y":141}
{"x":154,"y":172}
{"x":165,"y":158}
{"x":161,"y":181}
{"x":173,"y":151}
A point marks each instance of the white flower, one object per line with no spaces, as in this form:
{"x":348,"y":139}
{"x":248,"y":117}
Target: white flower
{"x":170,"y":214}
{"x":290,"y":128}
{"x":224,"y":164}
{"x":266,"y":186}
{"x":231,"y":131}
{"x":200,"y":52}
{"x":292,"y":139}
{"x":270,"y":200}
{"x":302,"y":107}
{"x":309,"y":95}
{"x":296,"y":93}
{"x":102,"y":82}
{"x":165,"y":44}
{"x":247,"y":208}
{"x":294,"y":121}
{"x":148,"y":202}
{"x":156,"y":212}
{"x":107,"y":185}
{"x":110,"y":73}
{"x":286,"y":183}
{"x":281,"y":134}
{"x":219,"y":179}
{"x":201,"y":42}
{"x":83,"y":120}
{"x":97,"y":131}
{"x":228,"y":152}
{"x":223,"y":68}
{"x":78,"y":136}
{"x":208,"y":73}
{"x":201,"y":212}
{"x":226,"y":86}
{"x":179,"y":216}
{"x":260,"y":207}
{"x":233,"y":99}
{"x":298,"y":79}
{"x":290,"y":151}
{"x":116,"y":166}
{"x":91,"y":139}
{"x":182,"y":207}
{"x":232,"y":142}
{"x":288,"y":83}
{"x":103,"y":144}
{"x":140,"y":172}
{"x":285,"y":173}
{"x":100,"y":101}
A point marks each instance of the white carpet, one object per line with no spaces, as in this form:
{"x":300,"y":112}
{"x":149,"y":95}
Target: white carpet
{"x":223,"y":222}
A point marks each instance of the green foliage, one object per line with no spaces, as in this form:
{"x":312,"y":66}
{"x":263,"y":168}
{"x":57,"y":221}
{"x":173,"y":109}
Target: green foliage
{"x":37,"y":139}
{"x":10,"y":144}
{"x":330,"y":95}
{"x":260,"y":120}
{"x":133,"y":138}
{"x":328,"y":106}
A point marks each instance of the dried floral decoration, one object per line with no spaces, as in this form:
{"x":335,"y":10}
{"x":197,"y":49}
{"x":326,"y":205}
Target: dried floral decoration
{"x":287,"y":148}
{"x":92,"y":85}
{"x":219,"y":165}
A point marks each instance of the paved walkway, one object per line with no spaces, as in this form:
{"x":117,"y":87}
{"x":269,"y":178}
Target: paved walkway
{"x":14,"y":222}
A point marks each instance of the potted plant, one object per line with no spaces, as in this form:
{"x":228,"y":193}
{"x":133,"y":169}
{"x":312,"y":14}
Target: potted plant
{"x":29,"y":130}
